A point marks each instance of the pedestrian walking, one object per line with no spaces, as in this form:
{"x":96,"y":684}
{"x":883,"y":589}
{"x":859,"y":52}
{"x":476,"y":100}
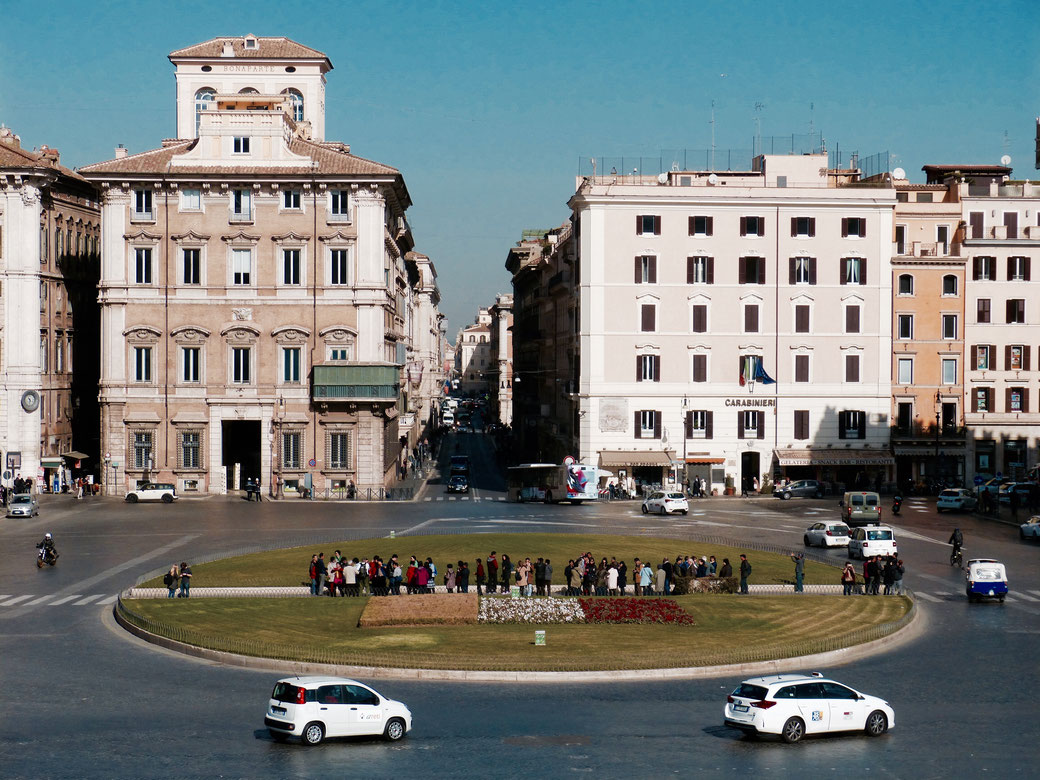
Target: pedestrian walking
{"x":185,"y":581}
{"x":745,"y":572}
{"x":799,"y":571}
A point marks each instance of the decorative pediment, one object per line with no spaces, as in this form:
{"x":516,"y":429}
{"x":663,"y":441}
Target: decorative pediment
{"x":752,"y":347}
{"x":751,"y":298}
{"x":339,"y":235}
{"x":145,"y":333}
{"x":803,"y":298}
{"x":852,"y":298}
{"x":241,"y":237}
{"x":190,"y":334}
{"x":699,"y":298}
{"x":801,"y":347}
{"x":292,"y":235}
{"x":698,"y":347}
{"x":652,"y":347}
{"x":339,"y":334}
{"x":648,"y":298}
{"x":291,"y":334}
{"x":240,"y":333}
{"x":852,"y":348}
{"x":190,"y":237}
{"x":141,"y":235}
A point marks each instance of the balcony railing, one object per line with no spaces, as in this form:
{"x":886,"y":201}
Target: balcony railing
{"x":241,"y":216}
{"x":142,"y":216}
{"x":356,"y":383}
{"x":927,"y":431}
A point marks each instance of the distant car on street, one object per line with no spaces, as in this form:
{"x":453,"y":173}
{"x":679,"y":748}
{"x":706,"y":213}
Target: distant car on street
{"x":872,"y":540}
{"x":993,"y":485}
{"x":1028,"y":493}
{"x":956,"y":499}
{"x":153,"y":491}
{"x":458,"y":484}
{"x":808,"y":488}
{"x":827,"y":534}
{"x":1031,"y":529}
{"x":665,"y":502}
{"x":23,"y":505}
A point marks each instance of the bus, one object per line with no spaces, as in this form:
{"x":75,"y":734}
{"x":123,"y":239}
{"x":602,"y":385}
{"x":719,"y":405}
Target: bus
{"x":553,"y":482}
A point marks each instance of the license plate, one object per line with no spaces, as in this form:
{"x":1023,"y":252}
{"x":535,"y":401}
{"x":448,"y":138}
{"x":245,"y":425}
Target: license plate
{"x":740,"y":708}
{"x":278,"y":710}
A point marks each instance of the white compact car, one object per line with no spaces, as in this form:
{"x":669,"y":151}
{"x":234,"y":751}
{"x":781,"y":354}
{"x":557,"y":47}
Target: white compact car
{"x":955,"y":499}
{"x":1030,"y":530}
{"x":665,"y":502}
{"x":153,"y":491}
{"x":828,"y":534}
{"x":872,"y":540}
{"x":793,"y":705}
{"x":314,"y":708}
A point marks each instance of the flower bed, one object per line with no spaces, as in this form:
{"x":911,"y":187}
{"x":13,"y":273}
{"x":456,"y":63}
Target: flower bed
{"x":509,"y":610}
{"x":427,"y":609}
{"x":635,"y":610}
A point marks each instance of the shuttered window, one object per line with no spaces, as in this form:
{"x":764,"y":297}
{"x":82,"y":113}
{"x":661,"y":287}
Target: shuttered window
{"x":699,"y":424}
{"x":700,"y":270}
{"x":700,"y":368}
{"x":803,"y":227}
{"x":292,"y":449}
{"x":801,"y":319}
{"x":852,"y":319}
{"x":648,"y":318}
{"x":751,"y":318}
{"x":189,"y":449}
{"x":701,"y":226}
{"x":801,"y":368}
{"x":648,"y":225}
{"x":852,"y":368}
{"x":700,"y":318}
{"x":752,"y":226}
{"x":751,"y":270}
{"x":982,"y":310}
{"x":801,"y":424}
{"x":646,"y":269}
{"x":337,"y":450}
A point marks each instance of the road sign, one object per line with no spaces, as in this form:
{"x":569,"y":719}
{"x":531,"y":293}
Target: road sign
{"x":1000,"y":475}
{"x":978,"y":480}
{"x":7,"y":475}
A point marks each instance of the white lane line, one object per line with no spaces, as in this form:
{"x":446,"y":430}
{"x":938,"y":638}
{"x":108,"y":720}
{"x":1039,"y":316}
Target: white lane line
{"x":5,"y":596}
{"x":109,"y":600}
{"x":944,"y":594}
{"x":427,"y":499}
{"x":1021,"y":595}
{"x":88,"y":599}
{"x":62,"y":601}
{"x":928,"y":597}
{"x":40,"y":600}
{"x":15,"y":600}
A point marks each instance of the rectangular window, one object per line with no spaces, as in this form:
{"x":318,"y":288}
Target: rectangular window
{"x":701,"y":226}
{"x":44,"y":350}
{"x":648,"y":368}
{"x":751,"y":270}
{"x":856,"y":227}
{"x":648,"y":318}
{"x":339,"y":205}
{"x":700,"y":368}
{"x":852,"y":424}
{"x":803,"y":270}
{"x":142,"y":364}
{"x":700,"y":270}
{"x":853,"y":270}
{"x":983,"y":355}
{"x":700,"y":318}
{"x":750,"y":425}
{"x":801,"y":368}
{"x":191,"y":200}
{"x":942,"y":239}
{"x":339,"y":353}
{"x":340,"y":267}
{"x":982,"y":310}
{"x":852,"y":319}
{"x":59,"y":353}
{"x":1016,"y":358}
{"x":752,"y":226}
{"x":983,"y":268}
{"x":648,"y":424}
{"x":900,"y":239}
{"x":949,"y":326}
{"x":241,"y":205}
{"x":1011,"y":223}
{"x":949,"y":285}
{"x":646,"y":270}
{"x":949,"y":371}
{"x":981,"y":399}
{"x":905,"y":371}
{"x":1018,"y":269}
{"x":852,"y":368}
{"x":904,"y":326}
{"x":801,"y":424}
{"x":191,"y":450}
{"x":1016,"y":310}
{"x":192,"y":265}
{"x":240,"y":144}
{"x":801,"y":319}
{"x":143,"y":204}
{"x":240,"y":366}
{"x":291,"y":266}
{"x":976,"y":219}
{"x":142,"y":450}
{"x":291,"y":365}
{"x":803,"y":227}
{"x":904,"y":416}
{"x":648,"y":225}
{"x":698,"y":424}
{"x":290,"y":199}
{"x":751,"y":318}
{"x":292,"y":450}
{"x":241,"y":266}
{"x":190,"y":364}
{"x":143,"y":266}
{"x":339,"y":450}
{"x":1016,"y":399}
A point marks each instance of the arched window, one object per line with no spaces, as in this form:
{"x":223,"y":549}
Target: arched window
{"x":949,"y":285}
{"x":203,"y":101}
{"x":248,"y":91}
{"x":906,"y":284}
{"x":296,"y":104}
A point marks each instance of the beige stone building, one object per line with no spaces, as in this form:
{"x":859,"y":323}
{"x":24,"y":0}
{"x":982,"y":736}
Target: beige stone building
{"x":49,"y":232}
{"x":256,"y":289}
{"x":500,"y":377}
{"x":473,"y":354}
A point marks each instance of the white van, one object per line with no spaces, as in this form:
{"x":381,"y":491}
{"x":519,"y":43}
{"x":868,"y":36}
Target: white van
{"x":872,"y":540}
{"x":448,"y":418}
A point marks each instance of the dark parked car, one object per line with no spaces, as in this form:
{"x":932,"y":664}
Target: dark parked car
{"x":803,"y":487}
{"x":458,"y":484}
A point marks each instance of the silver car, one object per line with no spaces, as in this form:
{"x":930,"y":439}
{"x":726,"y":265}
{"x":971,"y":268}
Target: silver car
{"x":23,"y":505}
{"x":808,"y":488}
{"x":827,"y":534}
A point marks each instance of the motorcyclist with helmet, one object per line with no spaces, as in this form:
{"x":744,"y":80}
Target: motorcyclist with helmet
{"x":46,"y":548}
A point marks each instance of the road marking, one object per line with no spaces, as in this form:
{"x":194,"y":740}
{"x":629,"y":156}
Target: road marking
{"x":928,"y":597}
{"x":944,"y":594}
{"x":1035,"y":592}
{"x":88,"y":599}
{"x":109,"y":600}
{"x":1021,"y":595}
{"x":15,"y":600}
{"x":427,"y":499}
{"x":40,"y":600}
{"x":62,"y":601}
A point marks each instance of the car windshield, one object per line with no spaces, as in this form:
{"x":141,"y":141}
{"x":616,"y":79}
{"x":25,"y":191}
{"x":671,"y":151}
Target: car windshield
{"x":987,"y":572}
{"x":748,"y":691}
{"x":22,"y":500}
{"x":675,"y":495}
{"x":284,"y":691}
{"x":949,"y":494}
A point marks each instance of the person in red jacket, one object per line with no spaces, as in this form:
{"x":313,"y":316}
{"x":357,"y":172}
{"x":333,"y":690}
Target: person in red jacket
{"x":492,"y":572}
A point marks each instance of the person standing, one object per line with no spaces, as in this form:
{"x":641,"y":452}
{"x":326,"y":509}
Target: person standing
{"x":637,"y":585}
{"x":547,"y":577}
{"x":726,"y":571}
{"x":462,"y":578}
{"x":745,"y":572}
{"x":646,"y":579}
{"x":314,"y":574}
{"x":449,"y":578}
{"x":897,"y":577}
{"x":799,"y":571}
{"x":622,"y":577}
{"x":171,"y":579}
{"x":612,"y":580}
{"x":322,"y":573}
{"x":506,"y":569}
{"x":481,"y":577}
{"x":492,"y":572}
{"x":848,"y":579}
{"x":539,"y":577}
{"x":888,"y":575}
{"x":185,"y":580}
{"x":666,"y":565}
{"x":350,"y":577}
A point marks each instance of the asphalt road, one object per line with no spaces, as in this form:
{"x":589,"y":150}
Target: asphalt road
{"x":81,"y":699}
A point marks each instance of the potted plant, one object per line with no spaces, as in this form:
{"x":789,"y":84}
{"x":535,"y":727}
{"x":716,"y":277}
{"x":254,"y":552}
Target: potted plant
{"x":730,"y":485}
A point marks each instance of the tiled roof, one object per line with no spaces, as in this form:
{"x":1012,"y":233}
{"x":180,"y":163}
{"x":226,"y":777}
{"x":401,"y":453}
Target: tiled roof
{"x":279,"y":48}
{"x":12,"y":156}
{"x":152,"y":161}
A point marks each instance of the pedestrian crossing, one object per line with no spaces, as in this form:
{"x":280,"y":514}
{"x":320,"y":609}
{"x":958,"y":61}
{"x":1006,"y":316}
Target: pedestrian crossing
{"x":52,"y":600}
{"x":464,"y":498}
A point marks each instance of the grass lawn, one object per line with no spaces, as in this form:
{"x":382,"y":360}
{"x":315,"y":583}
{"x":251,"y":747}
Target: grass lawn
{"x":728,"y":629}
{"x":290,"y":566}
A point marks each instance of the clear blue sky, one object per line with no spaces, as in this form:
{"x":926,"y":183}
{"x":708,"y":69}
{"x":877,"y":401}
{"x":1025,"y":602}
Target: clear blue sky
{"x":486,"y":109}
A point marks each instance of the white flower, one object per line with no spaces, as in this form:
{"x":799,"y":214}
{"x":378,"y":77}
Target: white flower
{"x":509,"y":610}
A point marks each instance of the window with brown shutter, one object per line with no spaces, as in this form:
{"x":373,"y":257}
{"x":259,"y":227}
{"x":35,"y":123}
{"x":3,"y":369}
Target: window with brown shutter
{"x":700,"y":318}
{"x":852,"y":319}
{"x":862,"y":270}
{"x":752,"y":226}
{"x":801,"y":424}
{"x":657,"y":368}
{"x":701,"y":226}
{"x":801,"y":368}
{"x":708,"y":424}
{"x":639,"y":425}
{"x":761,"y":423}
{"x":760,"y":262}
{"x":852,"y":368}
{"x":1025,"y":357}
{"x":982,"y":310}
{"x":639,"y":368}
{"x":751,"y":318}
{"x":740,"y":425}
{"x":657,"y":425}
{"x":742,"y":269}
{"x":700,"y":368}
{"x":1011,"y":223}
{"x":801,"y":319}
{"x":804,"y":227}
{"x":648,"y":225}
{"x":689,"y":418}
{"x":976,"y":221}
{"x":648,"y":317}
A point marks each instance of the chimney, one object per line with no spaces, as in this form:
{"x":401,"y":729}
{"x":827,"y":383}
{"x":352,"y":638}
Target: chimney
{"x":50,"y":154}
{"x":120,"y":152}
{"x":8,"y":137}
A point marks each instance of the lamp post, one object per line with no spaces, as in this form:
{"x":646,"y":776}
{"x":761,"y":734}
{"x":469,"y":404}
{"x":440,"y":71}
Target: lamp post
{"x":938,"y":417}
{"x":104,"y":474}
{"x":685,"y":465}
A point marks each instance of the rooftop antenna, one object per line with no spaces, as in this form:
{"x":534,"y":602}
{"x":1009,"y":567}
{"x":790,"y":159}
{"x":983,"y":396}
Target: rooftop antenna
{"x":812,"y":121}
{"x":758,"y":124}
{"x":712,"y":123}
{"x":1005,"y":145}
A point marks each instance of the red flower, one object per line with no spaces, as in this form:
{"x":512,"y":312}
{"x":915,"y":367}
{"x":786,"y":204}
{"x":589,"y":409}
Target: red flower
{"x":634,"y":610}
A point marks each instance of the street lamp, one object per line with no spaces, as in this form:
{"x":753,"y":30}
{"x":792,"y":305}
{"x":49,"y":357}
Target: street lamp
{"x":685,"y":465}
{"x":938,"y":415}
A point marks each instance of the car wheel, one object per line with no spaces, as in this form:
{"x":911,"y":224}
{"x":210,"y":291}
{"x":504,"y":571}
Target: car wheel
{"x":277,"y":736}
{"x":167,"y":498}
{"x":818,"y":494}
{"x":664,"y":509}
{"x":313,"y":733}
{"x":645,"y":510}
{"x":793,"y":730}
{"x":877,"y":723}
{"x":394,"y":729}
{"x":684,"y":511}
{"x":132,"y":498}
{"x":807,"y":542}
{"x":786,"y":496}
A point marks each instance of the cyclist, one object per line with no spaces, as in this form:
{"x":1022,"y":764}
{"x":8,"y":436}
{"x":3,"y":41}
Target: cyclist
{"x":957,"y":540}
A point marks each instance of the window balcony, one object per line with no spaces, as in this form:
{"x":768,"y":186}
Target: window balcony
{"x":142,"y":216}
{"x":372,"y":382}
{"x":241,"y":217}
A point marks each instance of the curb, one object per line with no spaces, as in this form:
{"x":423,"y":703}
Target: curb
{"x":914,"y":629}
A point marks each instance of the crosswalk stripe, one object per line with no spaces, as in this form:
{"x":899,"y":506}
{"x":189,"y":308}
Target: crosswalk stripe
{"x":427,"y":499}
{"x":928,"y":597}
{"x":1010,"y":599}
{"x":15,"y":600}
{"x":40,"y":600}
{"x":5,"y":596}
{"x":62,"y":601}
{"x":1035,"y":592}
{"x":1021,"y":595}
{"x":88,"y":599}
{"x":943,"y":594}
{"x":109,"y":600}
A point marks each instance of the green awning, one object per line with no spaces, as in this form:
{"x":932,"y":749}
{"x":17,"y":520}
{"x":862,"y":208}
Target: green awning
{"x":52,"y":462}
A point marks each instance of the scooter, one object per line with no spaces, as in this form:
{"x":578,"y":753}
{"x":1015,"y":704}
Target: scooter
{"x":46,"y":555}
{"x":897,"y":503}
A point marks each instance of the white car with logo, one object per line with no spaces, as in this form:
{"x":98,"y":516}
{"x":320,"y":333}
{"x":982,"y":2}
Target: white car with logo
{"x":872,"y":540}
{"x":794,"y":705}
{"x":827,"y":534}
{"x":665,"y":502}
{"x":313,"y":708}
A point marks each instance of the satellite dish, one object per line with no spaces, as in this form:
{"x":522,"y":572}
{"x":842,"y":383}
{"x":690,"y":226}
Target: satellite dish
{"x":713,"y":179}
{"x":662,"y":178}
{"x":1005,"y":160}
{"x":899,"y":173}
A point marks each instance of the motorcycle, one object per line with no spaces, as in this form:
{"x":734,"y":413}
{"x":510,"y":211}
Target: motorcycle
{"x":46,"y":555}
{"x":897,"y":504}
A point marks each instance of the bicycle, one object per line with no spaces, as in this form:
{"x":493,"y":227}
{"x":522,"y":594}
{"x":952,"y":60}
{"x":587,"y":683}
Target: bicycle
{"x":957,"y":557}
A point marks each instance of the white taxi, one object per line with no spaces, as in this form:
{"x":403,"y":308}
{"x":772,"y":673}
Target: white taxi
{"x":666,"y":502}
{"x":313,"y":708}
{"x":794,"y":705}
